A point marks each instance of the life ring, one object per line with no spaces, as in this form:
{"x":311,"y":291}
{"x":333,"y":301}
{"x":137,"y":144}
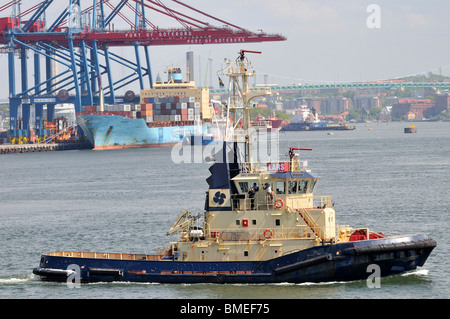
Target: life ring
{"x":268,"y":233}
{"x":279,"y":203}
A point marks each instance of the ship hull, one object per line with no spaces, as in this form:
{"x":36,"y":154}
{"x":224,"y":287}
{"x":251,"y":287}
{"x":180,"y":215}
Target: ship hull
{"x":117,"y":132}
{"x":336,"y":262}
{"x":316,"y":127}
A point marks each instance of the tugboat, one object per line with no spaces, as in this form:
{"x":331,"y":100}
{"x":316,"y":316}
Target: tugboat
{"x":261,"y":224}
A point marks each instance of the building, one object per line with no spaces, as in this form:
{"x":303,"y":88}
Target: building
{"x":410,"y":116}
{"x":311,"y":103}
{"x":442,"y":102}
{"x":288,"y":104}
{"x":366,"y":102}
{"x":390,"y":100}
{"x":335,"y":105}
{"x":385,"y":114}
{"x":420,"y":109}
{"x":404,"y":107}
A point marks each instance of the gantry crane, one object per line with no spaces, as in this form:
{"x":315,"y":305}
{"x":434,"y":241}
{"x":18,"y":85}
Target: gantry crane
{"x":74,"y":45}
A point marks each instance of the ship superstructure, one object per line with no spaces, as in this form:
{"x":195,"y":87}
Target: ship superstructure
{"x":255,"y":210}
{"x":262,"y":223}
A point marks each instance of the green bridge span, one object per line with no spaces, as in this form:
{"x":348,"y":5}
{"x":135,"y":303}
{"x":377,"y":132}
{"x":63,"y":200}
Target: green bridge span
{"x":348,"y":85}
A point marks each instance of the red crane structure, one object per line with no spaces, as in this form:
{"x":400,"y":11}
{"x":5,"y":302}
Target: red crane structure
{"x":75,"y":42}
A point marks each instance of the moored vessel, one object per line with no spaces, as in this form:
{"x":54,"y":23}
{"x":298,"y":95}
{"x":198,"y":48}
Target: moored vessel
{"x":262,"y":223}
{"x":167,"y":114}
{"x":410,"y":129}
{"x":306,"y":119}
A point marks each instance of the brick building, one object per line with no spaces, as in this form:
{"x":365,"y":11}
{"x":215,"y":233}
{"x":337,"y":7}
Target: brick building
{"x":412,"y":109}
{"x":442,"y":102}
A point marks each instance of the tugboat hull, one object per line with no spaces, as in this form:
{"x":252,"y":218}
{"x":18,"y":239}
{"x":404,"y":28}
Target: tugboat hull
{"x":336,"y":262}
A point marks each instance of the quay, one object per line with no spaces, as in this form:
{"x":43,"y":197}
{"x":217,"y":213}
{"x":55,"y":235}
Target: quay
{"x":42,"y":147}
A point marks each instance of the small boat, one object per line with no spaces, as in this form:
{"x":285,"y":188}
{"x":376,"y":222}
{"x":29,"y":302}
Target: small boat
{"x":410,"y":129}
{"x":262,"y":223}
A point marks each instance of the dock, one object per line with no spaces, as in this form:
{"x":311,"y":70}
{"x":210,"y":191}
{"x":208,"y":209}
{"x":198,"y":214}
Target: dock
{"x":42,"y":147}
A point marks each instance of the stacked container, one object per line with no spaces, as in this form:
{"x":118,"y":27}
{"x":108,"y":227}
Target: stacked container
{"x":171,"y":109}
{"x":156,"y":109}
{"x":147,"y":112}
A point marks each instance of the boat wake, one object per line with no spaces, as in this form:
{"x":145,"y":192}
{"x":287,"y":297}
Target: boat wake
{"x":17,"y":279}
{"x":417,"y":272}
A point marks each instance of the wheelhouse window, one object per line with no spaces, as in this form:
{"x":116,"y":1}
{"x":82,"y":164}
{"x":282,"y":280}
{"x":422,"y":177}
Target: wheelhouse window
{"x":292,"y":187}
{"x":280,"y":188}
{"x":255,"y":186}
{"x":313,"y":184}
{"x":244,"y":187}
{"x":302,"y":186}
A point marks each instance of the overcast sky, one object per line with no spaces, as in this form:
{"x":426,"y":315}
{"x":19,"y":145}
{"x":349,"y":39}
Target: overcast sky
{"x":327,"y":40}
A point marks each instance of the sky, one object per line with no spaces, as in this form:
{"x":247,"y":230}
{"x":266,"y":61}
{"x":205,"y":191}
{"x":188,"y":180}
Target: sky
{"x":327,"y":40}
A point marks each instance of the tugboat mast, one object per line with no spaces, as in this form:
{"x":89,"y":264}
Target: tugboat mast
{"x":239,"y":73}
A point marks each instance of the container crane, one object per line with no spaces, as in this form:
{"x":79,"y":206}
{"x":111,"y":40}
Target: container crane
{"x":75,"y":45}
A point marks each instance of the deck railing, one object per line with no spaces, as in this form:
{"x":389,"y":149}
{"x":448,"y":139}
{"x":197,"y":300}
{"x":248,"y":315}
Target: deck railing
{"x":247,"y":204}
{"x":97,"y":255}
{"x":261,"y":234}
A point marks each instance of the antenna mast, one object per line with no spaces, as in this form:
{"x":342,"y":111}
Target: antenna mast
{"x":239,"y":99}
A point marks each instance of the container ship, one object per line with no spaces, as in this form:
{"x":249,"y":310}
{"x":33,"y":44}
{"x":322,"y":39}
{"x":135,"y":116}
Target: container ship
{"x":261,"y":223}
{"x":165,"y":116}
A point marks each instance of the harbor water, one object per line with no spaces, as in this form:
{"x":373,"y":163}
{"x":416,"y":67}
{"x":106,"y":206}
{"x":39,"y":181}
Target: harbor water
{"x":125,"y":201}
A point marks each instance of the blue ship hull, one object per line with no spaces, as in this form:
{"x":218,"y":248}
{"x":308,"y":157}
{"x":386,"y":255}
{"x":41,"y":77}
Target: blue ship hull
{"x":114,"y":132}
{"x":336,"y":262}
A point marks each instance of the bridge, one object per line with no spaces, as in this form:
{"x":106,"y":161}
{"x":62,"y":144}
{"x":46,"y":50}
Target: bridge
{"x":390,"y":85}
